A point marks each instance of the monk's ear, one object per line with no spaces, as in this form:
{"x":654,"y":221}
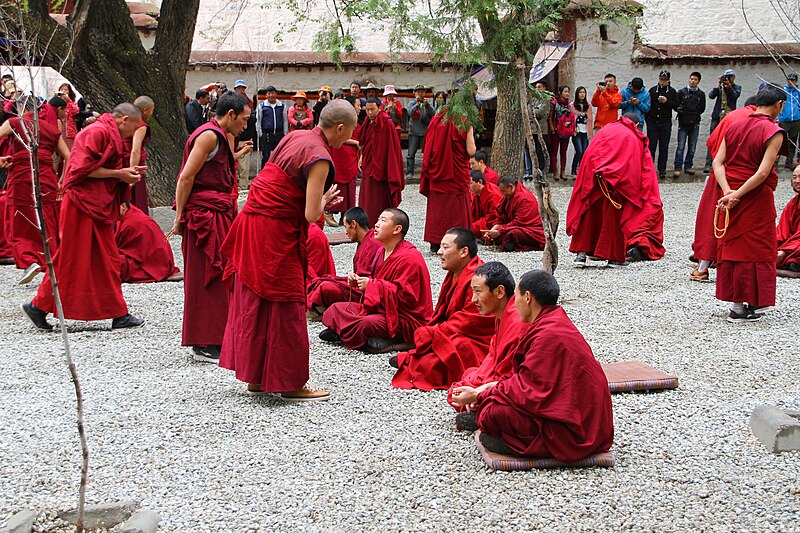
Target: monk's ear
{"x":499,"y":292}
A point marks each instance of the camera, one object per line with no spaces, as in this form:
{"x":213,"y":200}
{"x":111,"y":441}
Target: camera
{"x":601,"y":83}
{"x":725,"y":77}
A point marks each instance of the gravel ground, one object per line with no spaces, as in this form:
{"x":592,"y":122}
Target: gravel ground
{"x":186,"y":439}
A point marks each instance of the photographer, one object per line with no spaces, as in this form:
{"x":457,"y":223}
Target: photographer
{"x":663,"y":101}
{"x":420,"y":113}
{"x":726,"y":93}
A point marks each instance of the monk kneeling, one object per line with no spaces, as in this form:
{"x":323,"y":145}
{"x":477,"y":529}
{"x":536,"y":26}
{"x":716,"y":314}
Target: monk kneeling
{"x":485,"y":199}
{"x":789,"y":230}
{"x":396,"y":301}
{"x":145,"y":256}
{"x":457,"y":337}
{"x":519,"y":226}
{"x":556,"y":403}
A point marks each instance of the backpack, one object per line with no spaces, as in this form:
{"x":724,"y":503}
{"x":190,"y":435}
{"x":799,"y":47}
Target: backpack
{"x":565,"y":120}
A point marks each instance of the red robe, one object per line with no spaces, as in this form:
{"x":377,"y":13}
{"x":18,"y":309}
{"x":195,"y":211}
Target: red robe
{"x":484,"y":209}
{"x":705,"y":244}
{"x":456,"y":338}
{"x":491,"y":176}
{"x":5,"y":248}
{"x":746,"y":253}
{"x":499,"y":362}
{"x":620,"y":154}
{"x":324,"y":291}
{"x":396,"y":301}
{"x":145,"y":255}
{"x":519,"y":221}
{"x":88,"y":268}
{"x":788,"y":233}
{"x":556,"y":403}
{"x":444,"y":179}
{"x":139,"y":190}
{"x":320,"y":259}
{"x":345,"y":161}
{"x":382,"y":177}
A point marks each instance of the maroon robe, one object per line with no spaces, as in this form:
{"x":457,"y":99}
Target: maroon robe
{"x":5,"y":248}
{"x":396,"y":301}
{"x":382,"y":177}
{"x":491,"y":176}
{"x":556,"y":403}
{"x":320,"y":259}
{"x":139,"y":190}
{"x":444,"y":179}
{"x":345,"y":162}
{"x":456,"y":338}
{"x":88,"y":268}
{"x":519,"y":221}
{"x":484,"y":209}
{"x":145,"y":254}
{"x":788,"y":233}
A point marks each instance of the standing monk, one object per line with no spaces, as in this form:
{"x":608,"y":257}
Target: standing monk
{"x":519,"y":226}
{"x":382,"y":180}
{"x":266,"y":339}
{"x":87,"y":268}
{"x":747,"y":240}
{"x":789,"y":229}
{"x":485,"y":199}
{"x":204,"y":211}
{"x":6,"y":255}
{"x":136,"y":152}
{"x":345,"y":161}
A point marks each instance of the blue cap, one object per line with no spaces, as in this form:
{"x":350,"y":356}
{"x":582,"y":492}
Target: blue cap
{"x":729,"y":72}
{"x":239,"y":83}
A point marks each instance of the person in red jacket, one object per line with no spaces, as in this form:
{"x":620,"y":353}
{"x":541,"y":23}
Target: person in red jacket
{"x":300,"y":115}
{"x":607,"y":100}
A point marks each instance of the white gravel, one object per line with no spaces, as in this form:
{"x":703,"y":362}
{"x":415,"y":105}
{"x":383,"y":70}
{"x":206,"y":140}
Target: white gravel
{"x":186,"y":440}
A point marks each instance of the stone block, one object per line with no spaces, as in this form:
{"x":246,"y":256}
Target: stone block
{"x":777,"y":429}
{"x":105,"y":515}
{"x":22,"y":522}
{"x":142,"y":521}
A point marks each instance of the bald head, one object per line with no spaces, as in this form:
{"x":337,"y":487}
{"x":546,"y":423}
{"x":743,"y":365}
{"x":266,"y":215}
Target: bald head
{"x":127,"y":109}
{"x":337,"y":112}
{"x":144,"y":102}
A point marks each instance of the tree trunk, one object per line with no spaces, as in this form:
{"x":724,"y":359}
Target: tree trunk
{"x":509,"y":139}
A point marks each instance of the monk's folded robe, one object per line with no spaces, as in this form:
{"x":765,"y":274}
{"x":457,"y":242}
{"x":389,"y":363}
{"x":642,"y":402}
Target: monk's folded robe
{"x":519,"y":221}
{"x":556,"y":403}
{"x":5,"y":247}
{"x":491,"y":176}
{"x":484,"y":209}
{"x":615,"y":202}
{"x":320,"y":258}
{"x":788,"y":233}
{"x":139,"y":190}
{"x":456,"y":338}
{"x":144,"y":253}
{"x":382,"y":176}
{"x":444,"y":179}
{"x":87,"y":268}
{"x":499,"y":362}
{"x":345,"y":162}
{"x":396,"y":302}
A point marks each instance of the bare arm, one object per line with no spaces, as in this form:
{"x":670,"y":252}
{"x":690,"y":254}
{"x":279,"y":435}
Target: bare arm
{"x":5,"y":129}
{"x":63,"y":152}
{"x":203,"y":145}
{"x":316,"y":197}
{"x":471,"y":148}
{"x":764,"y":169}
{"x":719,"y":168}
{"x":136,"y":149}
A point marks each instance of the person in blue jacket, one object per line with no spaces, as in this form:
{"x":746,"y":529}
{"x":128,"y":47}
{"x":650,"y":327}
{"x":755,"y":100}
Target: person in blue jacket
{"x":636,"y":99}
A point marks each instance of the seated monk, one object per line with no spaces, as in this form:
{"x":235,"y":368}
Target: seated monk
{"x":326,"y":290}
{"x":457,"y":337}
{"x":485,"y":199}
{"x":493,"y":294}
{"x":145,"y":255}
{"x":397,"y":299}
{"x":519,"y":226}
{"x":789,"y":229}
{"x":556,"y":402}
{"x":479,"y":162}
{"x":320,"y":258}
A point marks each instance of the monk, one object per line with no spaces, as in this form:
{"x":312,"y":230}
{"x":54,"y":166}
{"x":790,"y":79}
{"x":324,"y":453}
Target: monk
{"x":326,"y":290}
{"x":479,"y":161}
{"x":320,"y":258}
{"x":145,"y":255}
{"x":397,"y":299}
{"x":345,"y":161}
{"x":136,"y":151}
{"x":457,"y":336}
{"x":6,"y":257}
{"x":444,"y":179}
{"x":556,"y":402}
{"x":87,"y":268}
{"x":615,"y":204}
{"x":519,"y":226}
{"x":485,"y":199}
{"x":789,"y":230}
{"x":23,"y":235}
{"x":266,"y":337}
{"x":747,"y":238}
{"x":382,"y":179}
{"x":204,"y":211}
{"x":493,"y":295}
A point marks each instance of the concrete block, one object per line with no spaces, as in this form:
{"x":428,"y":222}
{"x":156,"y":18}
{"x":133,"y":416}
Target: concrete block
{"x":142,"y":521}
{"x":105,"y":515}
{"x":777,"y":429}
{"x":22,"y":522}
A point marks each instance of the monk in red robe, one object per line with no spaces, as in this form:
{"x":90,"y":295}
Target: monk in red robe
{"x":479,"y":162}
{"x":493,"y":294}
{"x":519,"y":225}
{"x":485,"y":199}
{"x":457,"y":336}
{"x":789,"y":230}
{"x":320,"y":258}
{"x":136,"y":152}
{"x":266,"y":337}
{"x":23,"y":236}
{"x":746,"y":238}
{"x":204,"y":210}
{"x":704,"y":247}
{"x":145,"y":255}
{"x":444,"y":179}
{"x":556,"y":403}
{"x":87,"y":268}
{"x":382,"y":178}
{"x":615,"y":204}
{"x":6,"y":257}
{"x":397,"y":299}
{"x":327,"y":290}
{"x":345,"y":161}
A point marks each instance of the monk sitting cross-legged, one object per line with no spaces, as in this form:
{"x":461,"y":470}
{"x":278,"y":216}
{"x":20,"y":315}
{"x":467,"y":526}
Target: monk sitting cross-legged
{"x":556,"y":402}
{"x":145,"y":255}
{"x":485,"y":199}
{"x":519,"y":226}
{"x":327,"y":290}
{"x":789,"y":229}
{"x":457,"y":337}
{"x":493,"y":295}
{"x":396,"y":301}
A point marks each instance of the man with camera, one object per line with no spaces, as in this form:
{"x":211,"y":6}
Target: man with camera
{"x":663,"y":101}
{"x":607,"y":100}
{"x":420,"y":113}
{"x":789,"y":119}
{"x":726,"y":93}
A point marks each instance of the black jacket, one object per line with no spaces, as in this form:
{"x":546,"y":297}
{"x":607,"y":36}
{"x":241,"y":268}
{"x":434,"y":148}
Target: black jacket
{"x":691,"y":104}
{"x":662,"y":113}
{"x":194,"y":116}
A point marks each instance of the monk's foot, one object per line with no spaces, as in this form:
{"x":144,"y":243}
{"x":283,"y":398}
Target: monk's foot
{"x":384,"y":345}
{"x":496,"y":445}
{"x":305,"y":395}
{"x":37,"y":317}
{"x":617,"y":264}
{"x":393,"y":362}
{"x":466,"y":421}
{"x":328,"y":335}
{"x":509,"y":247}
{"x":6,"y":260}
{"x":580,"y":260}
{"x":126,"y":321}
{"x":254,"y":389}
{"x":635,"y":254}
{"x":29,"y":274}
{"x":699,"y":275}
{"x":748,"y":315}
{"x":206,"y":354}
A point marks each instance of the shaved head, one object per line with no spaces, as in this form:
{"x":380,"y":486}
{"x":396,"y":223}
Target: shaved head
{"x":144,"y":102}
{"x":337,"y":112}
{"x":127,"y":109}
